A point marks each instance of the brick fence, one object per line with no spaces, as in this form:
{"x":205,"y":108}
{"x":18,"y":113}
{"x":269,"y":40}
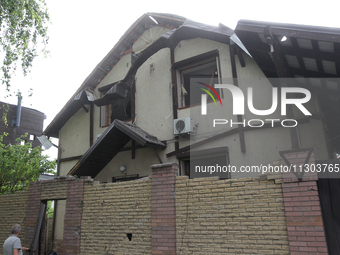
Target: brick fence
{"x":170,"y":214}
{"x":23,"y":207}
{"x":302,"y":206}
{"x":163,"y":210}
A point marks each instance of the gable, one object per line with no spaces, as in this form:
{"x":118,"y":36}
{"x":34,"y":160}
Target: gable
{"x":148,"y":38}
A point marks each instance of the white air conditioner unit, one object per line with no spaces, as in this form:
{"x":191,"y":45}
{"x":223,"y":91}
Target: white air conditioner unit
{"x":183,"y":126}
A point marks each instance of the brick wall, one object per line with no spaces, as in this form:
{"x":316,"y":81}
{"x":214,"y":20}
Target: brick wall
{"x":163,"y":211}
{"x":242,"y":216}
{"x":33,"y":205}
{"x":73,"y":215}
{"x":170,"y":214}
{"x":12,"y":211}
{"x":111,"y":212}
{"x":302,"y":206}
{"x":23,"y":208}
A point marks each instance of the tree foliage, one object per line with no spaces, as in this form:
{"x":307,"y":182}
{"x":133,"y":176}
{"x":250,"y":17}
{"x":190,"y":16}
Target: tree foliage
{"x":49,"y":209}
{"x":23,"y":26}
{"x":21,"y":164}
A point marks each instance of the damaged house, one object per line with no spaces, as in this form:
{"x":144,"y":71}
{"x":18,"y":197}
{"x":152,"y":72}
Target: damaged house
{"x":127,"y":111}
{"x":152,"y":101}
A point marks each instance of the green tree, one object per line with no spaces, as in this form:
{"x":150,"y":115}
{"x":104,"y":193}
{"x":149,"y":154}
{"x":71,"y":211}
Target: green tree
{"x":23,"y":27}
{"x":49,"y":209}
{"x":21,"y":164}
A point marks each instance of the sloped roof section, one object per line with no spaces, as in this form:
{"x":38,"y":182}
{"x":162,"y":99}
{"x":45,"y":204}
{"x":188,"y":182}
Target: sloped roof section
{"x":108,"y":145}
{"x":301,"y":51}
{"x":104,"y":67}
{"x":182,"y":30}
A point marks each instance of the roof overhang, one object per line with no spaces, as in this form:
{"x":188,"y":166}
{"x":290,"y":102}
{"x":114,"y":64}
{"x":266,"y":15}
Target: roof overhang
{"x":182,"y":29}
{"x":109,"y":61}
{"x":300,"y":51}
{"x":108,"y":145}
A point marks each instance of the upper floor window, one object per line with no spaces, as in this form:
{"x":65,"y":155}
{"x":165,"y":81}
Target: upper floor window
{"x":190,"y":72}
{"x":118,"y":109}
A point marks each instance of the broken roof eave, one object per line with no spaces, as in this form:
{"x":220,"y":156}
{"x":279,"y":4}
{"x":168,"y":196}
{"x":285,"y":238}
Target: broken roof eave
{"x":188,"y":30}
{"x":53,"y":128}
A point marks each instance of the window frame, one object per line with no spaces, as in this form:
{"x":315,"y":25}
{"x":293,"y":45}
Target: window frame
{"x":192,"y":63}
{"x":106,"y":110}
{"x":184,"y":158}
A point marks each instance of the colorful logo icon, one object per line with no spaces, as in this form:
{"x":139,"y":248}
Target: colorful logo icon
{"x":209,"y":93}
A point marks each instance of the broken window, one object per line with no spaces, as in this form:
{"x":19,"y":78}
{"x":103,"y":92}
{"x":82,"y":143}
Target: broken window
{"x":190,"y":72}
{"x":118,"y":109}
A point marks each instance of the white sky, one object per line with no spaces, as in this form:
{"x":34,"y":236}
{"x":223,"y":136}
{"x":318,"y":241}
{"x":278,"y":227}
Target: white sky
{"x":83,"y":32}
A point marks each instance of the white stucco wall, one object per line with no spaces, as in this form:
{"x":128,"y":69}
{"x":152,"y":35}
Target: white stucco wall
{"x":117,"y":73}
{"x":154,"y":96}
{"x":74,"y":136}
{"x":59,"y":221}
{"x":65,"y":167}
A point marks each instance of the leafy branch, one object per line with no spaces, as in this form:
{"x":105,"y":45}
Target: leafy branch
{"x":21,"y":164}
{"x":23,"y":27}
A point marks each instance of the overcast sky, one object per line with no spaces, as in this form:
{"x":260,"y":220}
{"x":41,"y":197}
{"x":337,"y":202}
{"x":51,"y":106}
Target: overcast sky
{"x":83,"y":32}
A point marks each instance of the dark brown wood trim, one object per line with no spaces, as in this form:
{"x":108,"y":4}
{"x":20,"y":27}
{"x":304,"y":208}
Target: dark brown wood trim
{"x":234,"y":73}
{"x":174,"y":90}
{"x":107,"y":87}
{"x":174,"y":84}
{"x":158,"y":157}
{"x":240,"y":57}
{"x":91,"y":123}
{"x":187,"y":148}
{"x":282,"y":71}
{"x":133,"y":101}
{"x":58,"y":160}
{"x":129,"y":148}
{"x":277,"y":56}
{"x":85,"y":109}
{"x":70,"y":158}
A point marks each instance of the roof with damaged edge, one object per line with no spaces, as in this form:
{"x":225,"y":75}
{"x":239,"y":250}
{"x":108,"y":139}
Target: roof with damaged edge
{"x":105,"y":66}
{"x":184,"y":29}
{"x":115,"y":137}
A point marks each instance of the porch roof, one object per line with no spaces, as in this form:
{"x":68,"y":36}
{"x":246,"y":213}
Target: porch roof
{"x":107,"y":146}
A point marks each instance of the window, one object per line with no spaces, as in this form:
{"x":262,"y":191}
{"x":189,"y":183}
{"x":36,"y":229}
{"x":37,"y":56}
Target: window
{"x":202,"y":68}
{"x":126,"y":178}
{"x":119,"y":109}
{"x":204,"y":158}
{"x":105,"y":115}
